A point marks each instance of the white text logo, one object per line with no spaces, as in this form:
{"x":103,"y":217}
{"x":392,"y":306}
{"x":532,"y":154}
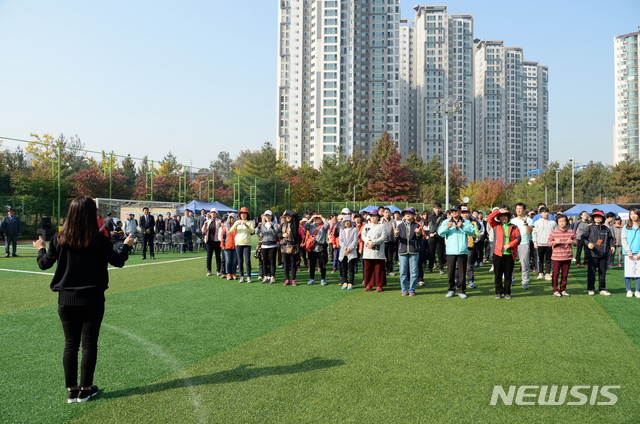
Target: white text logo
{"x":555,"y":395}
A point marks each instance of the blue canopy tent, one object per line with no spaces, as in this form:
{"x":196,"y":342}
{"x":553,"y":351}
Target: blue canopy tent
{"x":612,"y":207}
{"x":393,"y":208}
{"x":368,"y":208}
{"x":196,"y":206}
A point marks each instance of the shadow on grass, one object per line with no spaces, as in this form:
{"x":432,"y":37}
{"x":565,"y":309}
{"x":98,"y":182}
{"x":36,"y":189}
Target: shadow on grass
{"x":238,"y":374}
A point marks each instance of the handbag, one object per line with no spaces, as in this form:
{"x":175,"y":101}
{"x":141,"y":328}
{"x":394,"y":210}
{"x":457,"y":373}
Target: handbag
{"x":291,"y":249}
{"x":256,"y":254}
{"x":310,"y":240}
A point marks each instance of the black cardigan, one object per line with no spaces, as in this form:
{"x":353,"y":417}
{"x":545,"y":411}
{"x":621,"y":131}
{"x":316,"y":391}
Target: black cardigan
{"x":81,"y":276}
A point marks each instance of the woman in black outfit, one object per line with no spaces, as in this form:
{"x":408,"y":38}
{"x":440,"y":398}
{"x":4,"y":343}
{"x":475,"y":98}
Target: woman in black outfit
{"x":81,"y":278}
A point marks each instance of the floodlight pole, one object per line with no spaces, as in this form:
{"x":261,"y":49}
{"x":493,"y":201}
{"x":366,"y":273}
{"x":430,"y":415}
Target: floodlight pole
{"x":573,"y":173}
{"x":446,"y":108}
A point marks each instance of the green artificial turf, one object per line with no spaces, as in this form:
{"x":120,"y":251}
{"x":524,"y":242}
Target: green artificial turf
{"x":179,"y":347}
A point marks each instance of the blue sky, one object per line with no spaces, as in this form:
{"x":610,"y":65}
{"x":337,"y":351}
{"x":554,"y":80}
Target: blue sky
{"x":198,"y":77}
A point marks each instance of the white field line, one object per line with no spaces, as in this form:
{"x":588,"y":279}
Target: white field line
{"x":165,"y":357}
{"x":153,"y":262}
{"x":126,"y":266}
{"x":26,"y":272}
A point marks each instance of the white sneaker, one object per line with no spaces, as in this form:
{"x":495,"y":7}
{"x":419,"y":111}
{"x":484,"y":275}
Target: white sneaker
{"x":540,"y":276}
{"x":241,"y":280}
{"x":638,"y":294}
{"x":605,"y":293}
{"x":491,"y":270}
{"x":630,"y":293}
{"x":591,"y":292}
{"x":248,"y":279}
{"x":547,"y":277}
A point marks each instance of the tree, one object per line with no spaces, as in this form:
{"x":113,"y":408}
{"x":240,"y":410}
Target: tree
{"x":591,"y":182}
{"x":334,"y":182}
{"x":392,"y":182}
{"x":142,"y":187}
{"x":14,"y":161}
{"x":44,"y":152}
{"x":94,"y":182}
{"x":170,"y":165}
{"x":263,"y":164}
{"x":303,"y":181}
{"x":129,"y":170}
{"x":238,"y":164}
{"x":457,"y":180}
{"x":223,"y":163}
{"x":485,"y":193}
{"x":529,"y":191}
{"x":426,"y":177}
{"x":624,"y":184}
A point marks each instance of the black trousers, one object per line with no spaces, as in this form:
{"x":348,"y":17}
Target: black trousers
{"x":579,"y":252}
{"x":81,"y":324}
{"x":436,"y":245}
{"x":599,"y":264}
{"x":319,"y":258}
{"x":10,"y":240}
{"x":544,"y":259}
{"x":347,"y":270}
{"x":290,"y":265}
{"x":214,"y":247}
{"x":457,"y":263}
{"x":503,"y":266}
{"x":269,"y":261}
{"x":389,"y":250}
{"x":147,"y":240}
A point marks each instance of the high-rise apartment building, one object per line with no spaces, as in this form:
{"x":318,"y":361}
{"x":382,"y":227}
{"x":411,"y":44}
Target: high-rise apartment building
{"x":338,"y":82}
{"x":443,"y":69}
{"x":408,"y":91}
{"x":625,"y":132}
{"x":511,"y":112}
{"x":351,"y":69}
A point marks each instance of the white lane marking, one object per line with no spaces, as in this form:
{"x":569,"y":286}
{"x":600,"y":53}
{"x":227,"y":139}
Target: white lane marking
{"x":126,"y":266}
{"x":26,"y":272}
{"x":165,"y":357}
{"x":158,"y":263}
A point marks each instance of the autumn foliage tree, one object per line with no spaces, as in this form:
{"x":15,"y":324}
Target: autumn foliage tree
{"x":392,"y":182}
{"x":486,"y":193}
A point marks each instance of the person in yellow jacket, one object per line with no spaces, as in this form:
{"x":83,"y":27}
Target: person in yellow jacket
{"x":243,"y":228}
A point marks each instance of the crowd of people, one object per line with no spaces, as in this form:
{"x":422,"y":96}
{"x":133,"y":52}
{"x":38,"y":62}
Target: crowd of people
{"x":458,"y":240}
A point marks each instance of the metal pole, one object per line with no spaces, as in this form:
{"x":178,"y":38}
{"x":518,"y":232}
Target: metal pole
{"x":110,"y":177}
{"x":446,"y":159}
{"x":59,"y":185}
{"x":556,"y":186}
{"x":546,"y":199}
{"x":573,"y":173}
{"x":447,"y":107}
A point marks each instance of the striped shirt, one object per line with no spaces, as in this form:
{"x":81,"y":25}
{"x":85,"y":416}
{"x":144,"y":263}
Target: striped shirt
{"x":561,"y":241}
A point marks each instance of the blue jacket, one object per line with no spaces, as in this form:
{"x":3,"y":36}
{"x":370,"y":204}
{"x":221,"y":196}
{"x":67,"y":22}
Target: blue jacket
{"x":456,"y":237}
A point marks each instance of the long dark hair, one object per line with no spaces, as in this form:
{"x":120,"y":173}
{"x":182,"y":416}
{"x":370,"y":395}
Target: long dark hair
{"x":630,"y":222}
{"x":294,"y":225}
{"x":81,"y":227}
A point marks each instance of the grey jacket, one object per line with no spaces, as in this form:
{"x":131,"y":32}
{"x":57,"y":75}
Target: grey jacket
{"x":268,"y":236}
{"x":541,"y":230}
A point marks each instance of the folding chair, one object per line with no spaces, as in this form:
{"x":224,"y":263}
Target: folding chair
{"x":178,"y":242}
{"x":198,"y":240}
{"x":159,"y":243}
